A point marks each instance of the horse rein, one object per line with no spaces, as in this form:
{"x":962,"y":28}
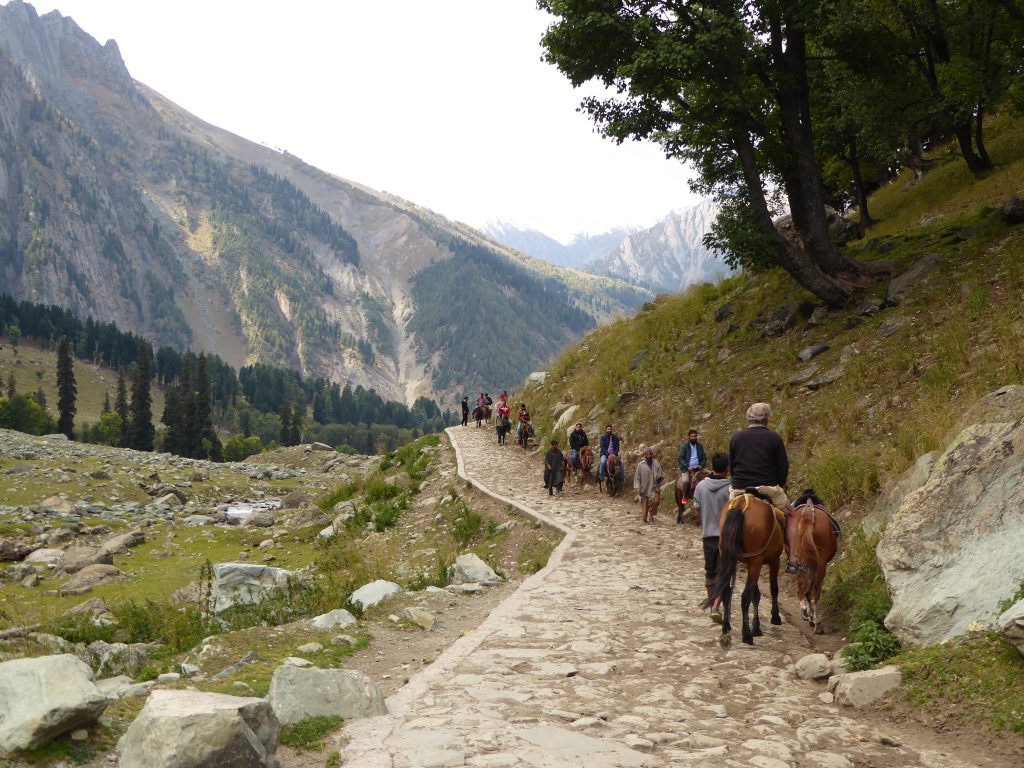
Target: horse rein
{"x":775,"y":519}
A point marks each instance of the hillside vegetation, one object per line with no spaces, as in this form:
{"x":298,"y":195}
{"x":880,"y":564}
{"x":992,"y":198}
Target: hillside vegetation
{"x":890,"y":386}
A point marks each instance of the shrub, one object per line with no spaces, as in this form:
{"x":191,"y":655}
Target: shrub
{"x":308,"y":734}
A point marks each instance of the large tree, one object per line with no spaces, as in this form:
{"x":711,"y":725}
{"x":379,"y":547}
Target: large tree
{"x":121,"y":407}
{"x":724,"y":85}
{"x":67,"y":392}
{"x":209,"y":445}
{"x":141,"y":433}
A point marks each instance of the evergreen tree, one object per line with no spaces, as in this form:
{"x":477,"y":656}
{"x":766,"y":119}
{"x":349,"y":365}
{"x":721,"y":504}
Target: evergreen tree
{"x":141,"y":432}
{"x":245,"y":422}
{"x":40,"y":397}
{"x":121,"y":407}
{"x":67,"y":392}
{"x":106,"y":403}
{"x":320,"y":415}
{"x":12,"y":386}
{"x":295,"y":433}
{"x":348,"y":411}
{"x":286,"y":423}
{"x":209,"y":443}
{"x":336,"y":411}
{"x":172,"y":419}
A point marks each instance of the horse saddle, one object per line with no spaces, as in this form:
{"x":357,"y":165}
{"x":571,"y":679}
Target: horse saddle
{"x":780,"y":516}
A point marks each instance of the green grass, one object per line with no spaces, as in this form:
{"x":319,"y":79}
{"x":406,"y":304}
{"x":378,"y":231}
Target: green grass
{"x":534,"y":555}
{"x":977,"y":679}
{"x":309,"y":734}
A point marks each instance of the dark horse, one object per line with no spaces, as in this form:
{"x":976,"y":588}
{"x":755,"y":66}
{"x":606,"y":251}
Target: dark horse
{"x":481,"y":413}
{"x":525,"y":433}
{"x":685,"y":485}
{"x":752,"y":533}
{"x":584,"y":463}
{"x":503,"y":427}
{"x":612,"y":480}
{"x":816,"y":544}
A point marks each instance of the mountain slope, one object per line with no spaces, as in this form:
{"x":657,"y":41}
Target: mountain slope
{"x":583,"y":248}
{"x":668,"y":256}
{"x":117,"y":203}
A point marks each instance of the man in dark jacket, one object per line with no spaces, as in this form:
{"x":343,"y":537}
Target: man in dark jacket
{"x":554,"y":469}
{"x":577,"y":439}
{"x":609,"y":445}
{"x":691,"y":459}
{"x":757,"y":459}
{"x":465,"y":411}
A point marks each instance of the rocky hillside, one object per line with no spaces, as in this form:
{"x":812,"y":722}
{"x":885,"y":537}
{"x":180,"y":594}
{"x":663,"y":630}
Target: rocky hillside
{"x":117,"y":203}
{"x":665,"y":258}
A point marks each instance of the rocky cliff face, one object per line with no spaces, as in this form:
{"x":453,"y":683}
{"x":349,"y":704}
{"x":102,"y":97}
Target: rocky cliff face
{"x":669,"y":256}
{"x":118,"y":204}
{"x":581,"y":250}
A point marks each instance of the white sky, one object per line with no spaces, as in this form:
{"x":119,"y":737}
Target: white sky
{"x":443,"y":102}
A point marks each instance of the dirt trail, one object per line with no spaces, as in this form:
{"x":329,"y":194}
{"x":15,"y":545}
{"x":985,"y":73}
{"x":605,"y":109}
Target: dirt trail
{"x":604,"y":659}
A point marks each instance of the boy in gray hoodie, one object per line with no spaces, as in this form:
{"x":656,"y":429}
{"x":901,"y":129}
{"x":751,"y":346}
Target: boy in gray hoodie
{"x":710,"y":496}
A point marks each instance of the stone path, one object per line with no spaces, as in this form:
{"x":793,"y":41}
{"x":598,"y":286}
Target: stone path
{"x":604,"y":659}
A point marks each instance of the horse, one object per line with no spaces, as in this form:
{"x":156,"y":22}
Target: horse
{"x":525,"y":433}
{"x":612,"y":481}
{"x":584,"y":464}
{"x":481,"y":413}
{"x":816,"y":545}
{"x":685,"y":485}
{"x":503,"y":427}
{"x":751,"y":532}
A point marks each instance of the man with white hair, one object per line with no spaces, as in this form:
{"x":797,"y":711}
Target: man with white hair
{"x":758,"y":459}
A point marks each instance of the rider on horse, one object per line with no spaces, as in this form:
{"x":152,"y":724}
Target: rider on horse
{"x":758,"y":459}
{"x":691,"y":457}
{"x":524,"y":418}
{"x":610,"y":444}
{"x":577,"y":439}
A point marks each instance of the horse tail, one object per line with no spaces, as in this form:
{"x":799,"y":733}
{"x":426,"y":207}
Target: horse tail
{"x":730,"y":544}
{"x":806,"y":552}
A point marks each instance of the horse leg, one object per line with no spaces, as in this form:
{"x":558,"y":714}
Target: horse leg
{"x":756,"y":627}
{"x":745,"y":600}
{"x":773,"y":581}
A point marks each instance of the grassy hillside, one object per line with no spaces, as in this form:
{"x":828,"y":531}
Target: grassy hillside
{"x":36,"y":368}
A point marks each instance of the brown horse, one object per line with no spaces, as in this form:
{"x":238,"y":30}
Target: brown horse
{"x":750,"y":532}
{"x":481,"y":413}
{"x":581,"y":471}
{"x":816,"y":545}
{"x":612,"y":480}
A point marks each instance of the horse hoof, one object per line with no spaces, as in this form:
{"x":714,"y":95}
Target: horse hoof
{"x":758,"y":633}
{"x":725,"y":641}
{"x":777,"y":620}
{"x":804,"y":615}
{"x":748,"y":639}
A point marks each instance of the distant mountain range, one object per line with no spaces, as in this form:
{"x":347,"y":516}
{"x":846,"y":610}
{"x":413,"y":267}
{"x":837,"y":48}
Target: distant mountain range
{"x":665,"y":258}
{"x":118,"y":204}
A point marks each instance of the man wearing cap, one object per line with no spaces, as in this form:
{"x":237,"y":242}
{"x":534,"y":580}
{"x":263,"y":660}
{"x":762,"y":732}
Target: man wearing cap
{"x":577,"y":439}
{"x":757,"y":458}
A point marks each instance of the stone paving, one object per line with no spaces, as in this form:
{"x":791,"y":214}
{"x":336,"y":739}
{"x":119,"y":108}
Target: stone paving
{"x":604,"y":659}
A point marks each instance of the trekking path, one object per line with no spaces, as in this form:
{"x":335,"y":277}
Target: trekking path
{"x":604,"y":659}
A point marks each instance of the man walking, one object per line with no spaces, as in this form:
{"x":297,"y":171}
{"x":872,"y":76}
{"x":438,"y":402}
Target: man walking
{"x":465,"y":411}
{"x":554,"y":469}
{"x":709,"y":498}
{"x":758,"y":459}
{"x":647,"y":483}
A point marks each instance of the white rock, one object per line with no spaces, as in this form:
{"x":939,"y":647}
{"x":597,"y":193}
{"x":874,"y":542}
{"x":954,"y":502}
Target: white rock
{"x":813,"y":666}
{"x":338,"y":618}
{"x":373,"y":593}
{"x":44,"y":556}
{"x":1011,"y":622}
{"x":299,"y":694}
{"x":419,"y":617}
{"x":296,"y":661}
{"x":470,"y":568}
{"x":244,"y":583}
{"x":192,"y":729}
{"x":309,"y":648}
{"x":858,"y":689}
{"x":168,"y":677}
{"x":43,"y":697}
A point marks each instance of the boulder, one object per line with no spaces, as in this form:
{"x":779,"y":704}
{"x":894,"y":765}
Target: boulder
{"x":320,"y":447}
{"x":904,"y":283}
{"x":115,"y":658}
{"x":419,"y":617}
{"x":813,"y":666}
{"x":57,"y":506}
{"x":1012,"y":212}
{"x":939,"y":550}
{"x":77,"y":558}
{"x":12,"y":553}
{"x":859,"y":689}
{"x":336,"y":619}
{"x":892,"y":494}
{"x":627,"y":397}
{"x":295,"y":499}
{"x":782,"y":319}
{"x":123,"y":542}
{"x":46,"y":556}
{"x":814,"y":350}
{"x":469,"y":568}
{"x":828,"y":377}
{"x":537,"y":377}
{"x":262,"y":519}
{"x":43,"y":697}
{"x":890,"y":326}
{"x":399,"y":480}
{"x":192,"y":729}
{"x":1004,"y":404}
{"x":568,"y":417}
{"x":167,"y":500}
{"x":375,"y":592}
{"x":724,"y":311}
{"x":94,"y":576}
{"x":244,"y":583}
{"x":300,"y":694}
{"x":306,"y":516}
{"x":1011,"y":622}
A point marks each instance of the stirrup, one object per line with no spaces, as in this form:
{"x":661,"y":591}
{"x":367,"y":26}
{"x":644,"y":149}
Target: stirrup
{"x":793,"y":567}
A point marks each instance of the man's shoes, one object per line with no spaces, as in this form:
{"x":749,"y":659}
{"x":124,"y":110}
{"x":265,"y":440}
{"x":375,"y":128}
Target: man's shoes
{"x":793,"y":567}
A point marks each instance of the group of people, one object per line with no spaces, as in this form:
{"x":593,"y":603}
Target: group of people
{"x":554,"y":459}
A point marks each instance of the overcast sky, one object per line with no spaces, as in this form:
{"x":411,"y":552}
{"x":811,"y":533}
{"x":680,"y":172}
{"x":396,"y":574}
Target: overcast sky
{"x":443,"y":102}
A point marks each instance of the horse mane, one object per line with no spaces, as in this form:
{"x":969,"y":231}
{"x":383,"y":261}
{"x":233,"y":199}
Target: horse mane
{"x":809,"y":495}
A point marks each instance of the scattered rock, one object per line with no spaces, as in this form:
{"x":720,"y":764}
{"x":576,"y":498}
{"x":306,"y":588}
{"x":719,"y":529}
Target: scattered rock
{"x":723,"y":312}
{"x":537,"y":377}
{"x":12,"y":553}
{"x":890,"y":326}
{"x":724,"y":354}
{"x":804,"y":375}
{"x":1012,"y":212}
{"x":399,"y":480}
{"x":828,"y":377}
{"x":320,"y":447}
{"x":892,"y":495}
{"x":46,"y":556}
{"x":637,"y":359}
{"x":859,"y":689}
{"x":782,"y":319}
{"x":627,"y":397}
{"x":869,"y":307}
{"x":192,"y":729}
{"x":300,"y":694}
{"x":93,"y":576}
{"x":336,"y":619}
{"x":295,"y":499}
{"x":469,"y":568}
{"x":813,"y":666}
{"x":77,"y":558}
{"x":308,"y":515}
{"x":903,"y":284}
{"x":812,"y":351}
{"x":419,"y":617}
{"x":1011,"y":622}
{"x":309,"y":648}
{"x":167,"y":500}
{"x":123,"y":542}
{"x":568,"y":417}
{"x":43,"y":697}
{"x":373,"y":593}
{"x":245,"y":583}
{"x":819,"y":316}
{"x":55,"y":505}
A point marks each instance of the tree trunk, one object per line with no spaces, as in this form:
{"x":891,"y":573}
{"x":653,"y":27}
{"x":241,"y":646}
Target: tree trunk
{"x":858,"y":182}
{"x":979,"y":138}
{"x":977,"y":166}
{"x":786,"y":254}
